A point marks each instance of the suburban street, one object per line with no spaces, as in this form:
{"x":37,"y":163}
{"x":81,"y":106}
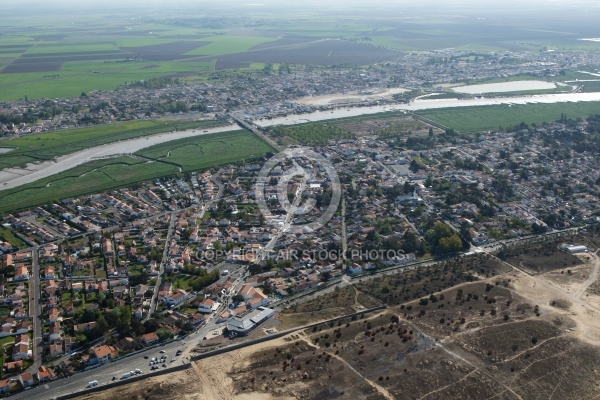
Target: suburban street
{"x":162,"y":266}
{"x":105,"y":373}
{"x":35,"y":311}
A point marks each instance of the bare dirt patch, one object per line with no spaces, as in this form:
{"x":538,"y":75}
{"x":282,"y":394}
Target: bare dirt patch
{"x":472,"y":329}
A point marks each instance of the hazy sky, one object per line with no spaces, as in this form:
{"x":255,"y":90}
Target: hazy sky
{"x":437,"y":4}
{"x":544,"y":11}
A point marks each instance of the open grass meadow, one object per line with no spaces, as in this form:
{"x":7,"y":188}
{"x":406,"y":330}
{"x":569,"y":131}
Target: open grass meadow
{"x":473,"y":119}
{"x":8,"y":236}
{"x":45,"y":146}
{"x":205,"y":151}
{"x":162,"y":160}
{"x":73,"y":77}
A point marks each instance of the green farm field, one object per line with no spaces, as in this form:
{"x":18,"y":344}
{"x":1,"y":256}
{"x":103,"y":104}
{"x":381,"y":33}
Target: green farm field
{"x":45,"y":146}
{"x":96,"y":176}
{"x":473,"y":119}
{"x":59,"y":51}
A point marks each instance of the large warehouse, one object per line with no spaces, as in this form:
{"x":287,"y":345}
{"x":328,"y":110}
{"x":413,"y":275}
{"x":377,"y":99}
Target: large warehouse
{"x":243,"y":323}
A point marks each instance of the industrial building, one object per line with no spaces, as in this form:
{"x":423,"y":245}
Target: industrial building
{"x":243,"y":323}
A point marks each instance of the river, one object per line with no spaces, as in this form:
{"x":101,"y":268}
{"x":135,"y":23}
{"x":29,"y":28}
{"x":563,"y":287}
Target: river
{"x":426,"y":104}
{"x":14,"y":177}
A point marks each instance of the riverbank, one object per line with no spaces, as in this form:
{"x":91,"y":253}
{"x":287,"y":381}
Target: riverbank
{"x":14,"y":177}
{"x":425,"y":104}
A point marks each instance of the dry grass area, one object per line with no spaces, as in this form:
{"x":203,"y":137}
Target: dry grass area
{"x":511,"y":335}
{"x":415,"y":284}
{"x":341,"y":301}
{"x":542,"y":258}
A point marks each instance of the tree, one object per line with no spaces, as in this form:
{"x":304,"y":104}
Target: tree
{"x":164,"y":335}
{"x":187,"y":327}
{"x":450,"y":244}
{"x":410,"y":242}
{"x":88,"y":315}
{"x":137,"y":327}
{"x":414,"y":166}
{"x":102,"y":325}
{"x":429,"y":181}
{"x":430,"y":132}
{"x":238,"y":298}
{"x":151,"y":325}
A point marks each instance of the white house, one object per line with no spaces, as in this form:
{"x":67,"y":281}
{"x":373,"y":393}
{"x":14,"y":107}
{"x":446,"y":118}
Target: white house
{"x":176,"y":298}
{"x":208,"y":306}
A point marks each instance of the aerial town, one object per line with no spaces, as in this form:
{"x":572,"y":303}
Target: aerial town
{"x":300,"y":200}
{"x":267,"y":94}
{"x":163,"y":258}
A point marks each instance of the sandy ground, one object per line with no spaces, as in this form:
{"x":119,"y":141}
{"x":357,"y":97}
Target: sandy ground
{"x":14,"y":177}
{"x":349,"y":98}
{"x":208,"y":379}
{"x":584,"y":308}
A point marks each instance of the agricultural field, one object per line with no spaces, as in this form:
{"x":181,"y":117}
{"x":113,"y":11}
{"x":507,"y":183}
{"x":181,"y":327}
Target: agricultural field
{"x":321,"y":52}
{"x":481,"y":118}
{"x":58,"y":52}
{"x":46,"y":146}
{"x":96,"y":176}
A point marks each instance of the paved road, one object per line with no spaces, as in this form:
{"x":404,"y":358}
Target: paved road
{"x":35,"y":311}
{"x":105,"y":373}
{"x":162,"y":266}
{"x":344,"y":235}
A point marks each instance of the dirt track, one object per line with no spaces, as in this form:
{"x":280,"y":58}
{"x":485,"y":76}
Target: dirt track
{"x":440,"y":362}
